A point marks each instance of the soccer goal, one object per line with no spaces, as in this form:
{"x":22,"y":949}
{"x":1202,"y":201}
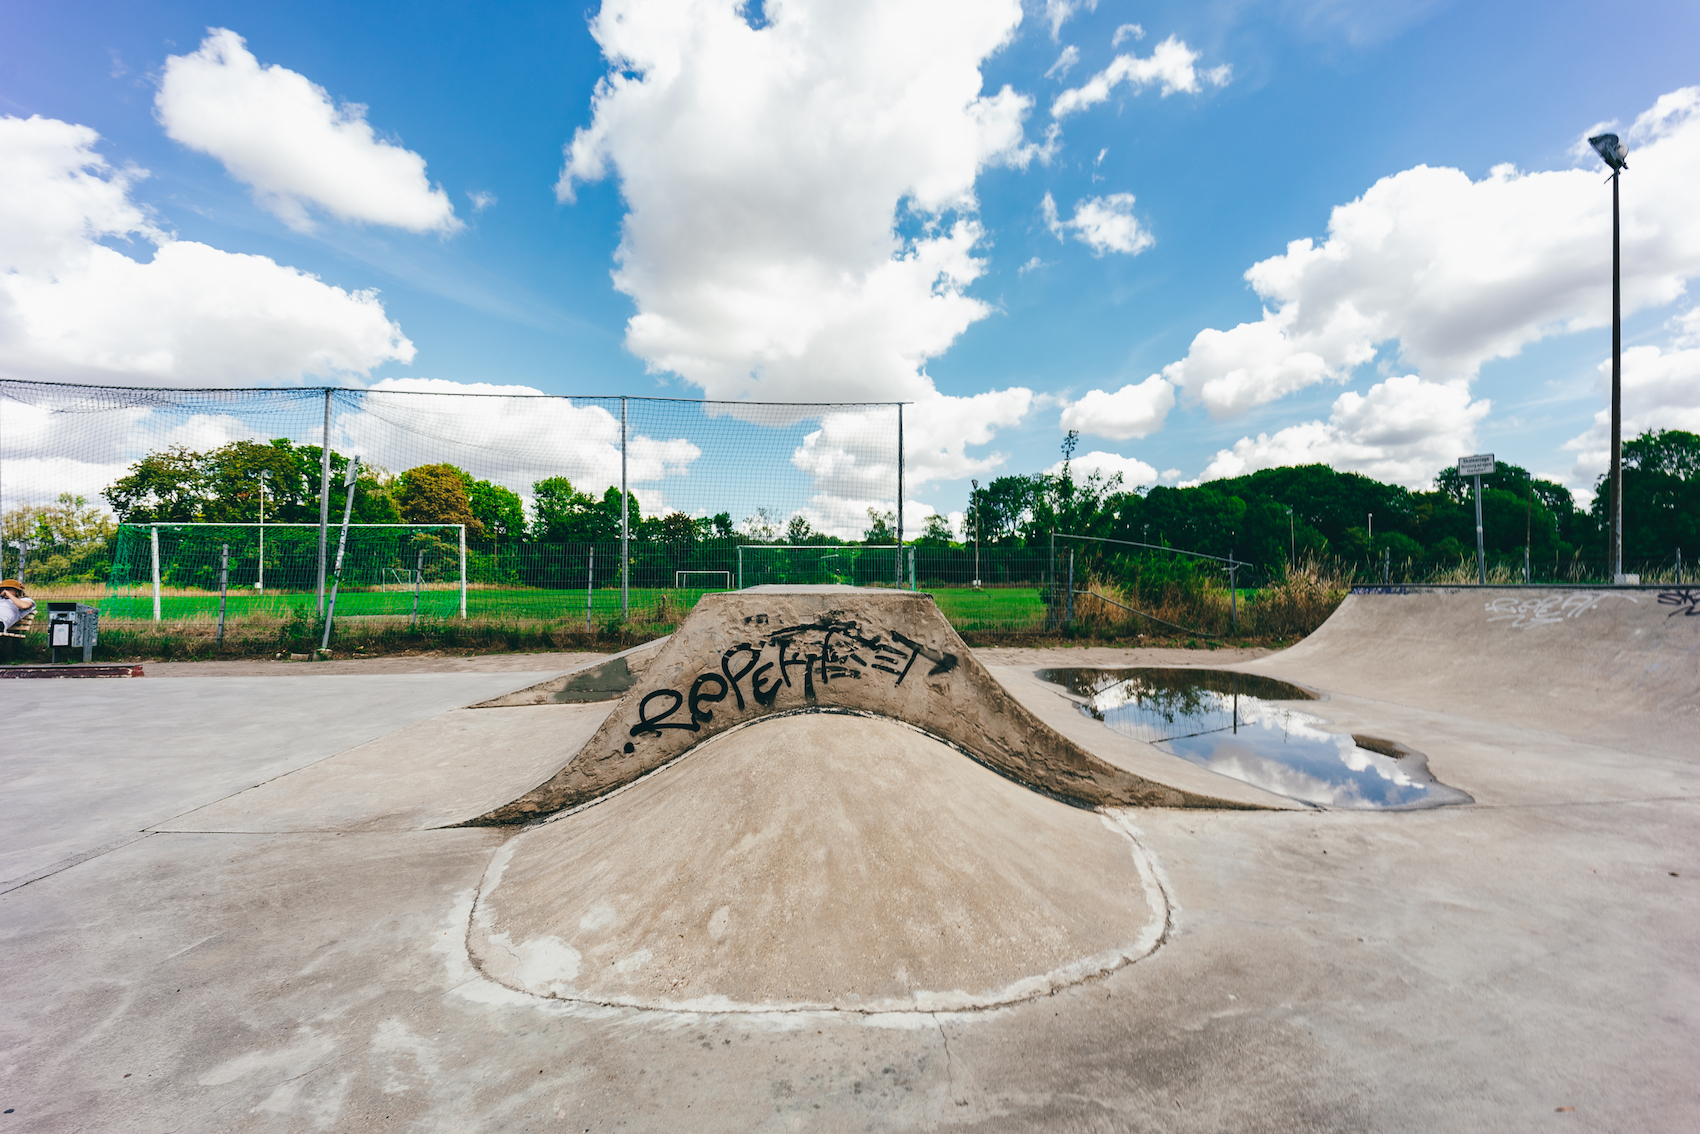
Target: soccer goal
{"x":387,"y":569}
{"x":703,"y":580}
{"x":856,"y":564}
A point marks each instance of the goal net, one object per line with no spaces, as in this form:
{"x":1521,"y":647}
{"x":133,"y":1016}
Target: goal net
{"x":702,"y":580}
{"x":173,"y":571}
{"x":856,"y":565}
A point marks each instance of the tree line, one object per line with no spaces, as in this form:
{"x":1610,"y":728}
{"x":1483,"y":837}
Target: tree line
{"x":1269,"y":517}
{"x":1277,"y":515}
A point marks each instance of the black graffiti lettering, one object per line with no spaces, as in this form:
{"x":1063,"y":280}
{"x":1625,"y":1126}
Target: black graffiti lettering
{"x":942,"y":662}
{"x":805,"y":662}
{"x":1686,"y":601}
{"x":647,"y":723}
{"x":698,"y":697}
{"x":765,"y":697}
{"x":826,"y":653}
{"x":732,"y":679}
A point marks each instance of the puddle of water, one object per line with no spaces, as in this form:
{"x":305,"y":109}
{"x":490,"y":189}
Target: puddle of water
{"x":1236,"y":724}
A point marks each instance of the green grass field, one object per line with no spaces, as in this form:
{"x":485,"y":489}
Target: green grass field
{"x":967,"y":609}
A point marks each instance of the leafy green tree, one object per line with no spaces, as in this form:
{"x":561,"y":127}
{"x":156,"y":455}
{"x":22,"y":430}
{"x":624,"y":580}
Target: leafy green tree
{"x":1661,"y":497}
{"x":230,"y":481}
{"x":436,"y":494}
{"x":498,"y":509}
{"x":558,"y":509}
{"x":797,"y":530}
{"x":881,"y":527}
{"x":935,"y":532}
{"x":69,"y":539}
{"x":162,"y":487}
{"x":676,"y":528}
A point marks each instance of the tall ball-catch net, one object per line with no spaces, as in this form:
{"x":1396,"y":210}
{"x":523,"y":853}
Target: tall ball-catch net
{"x":89,"y":474}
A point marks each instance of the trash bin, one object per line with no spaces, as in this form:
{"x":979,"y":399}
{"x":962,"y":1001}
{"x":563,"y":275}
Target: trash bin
{"x":70,"y":625}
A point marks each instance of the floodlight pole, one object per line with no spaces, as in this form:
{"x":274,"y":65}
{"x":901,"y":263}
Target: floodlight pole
{"x":1611,"y":151}
{"x":1616,"y":391}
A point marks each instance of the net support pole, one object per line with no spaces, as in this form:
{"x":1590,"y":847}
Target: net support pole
{"x":324,"y":494}
{"x":153,"y":549}
{"x":462,"y":570}
{"x":418,"y":578}
{"x":223,"y":587}
{"x":1615,"y":551}
{"x":341,"y":549}
{"x":589,"y":586}
{"x":740,"y":566}
{"x":625,"y":525}
{"x":900,"y":495}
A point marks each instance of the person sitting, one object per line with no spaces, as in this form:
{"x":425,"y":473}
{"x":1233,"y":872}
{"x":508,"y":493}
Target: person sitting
{"x":16,"y":609}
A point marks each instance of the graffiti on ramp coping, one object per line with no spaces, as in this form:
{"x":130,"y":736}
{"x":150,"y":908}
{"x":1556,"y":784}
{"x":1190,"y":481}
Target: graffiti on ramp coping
{"x":1544,"y":610}
{"x":1686,"y":601}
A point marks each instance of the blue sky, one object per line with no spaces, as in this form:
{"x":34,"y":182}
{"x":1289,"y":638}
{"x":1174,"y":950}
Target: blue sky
{"x":1282,"y":113}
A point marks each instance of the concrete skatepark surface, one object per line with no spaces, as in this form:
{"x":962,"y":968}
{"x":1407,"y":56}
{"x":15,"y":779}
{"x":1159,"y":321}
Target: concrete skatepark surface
{"x":818,"y":861}
{"x":1525,"y":962}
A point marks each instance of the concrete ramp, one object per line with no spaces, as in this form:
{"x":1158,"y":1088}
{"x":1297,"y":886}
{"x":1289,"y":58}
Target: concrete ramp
{"x":1618,"y":666}
{"x":746,"y":655}
{"x":817,"y":862}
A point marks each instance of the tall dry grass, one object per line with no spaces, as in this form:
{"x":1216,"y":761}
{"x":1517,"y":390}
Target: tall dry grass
{"x":1291,"y":606}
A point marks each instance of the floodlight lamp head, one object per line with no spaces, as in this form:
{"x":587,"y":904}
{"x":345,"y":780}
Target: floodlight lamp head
{"x":1611,"y":150}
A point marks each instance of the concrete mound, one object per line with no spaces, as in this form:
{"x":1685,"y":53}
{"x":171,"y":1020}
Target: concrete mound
{"x":816,"y":861}
{"x":1612,"y":664}
{"x":749,"y":654}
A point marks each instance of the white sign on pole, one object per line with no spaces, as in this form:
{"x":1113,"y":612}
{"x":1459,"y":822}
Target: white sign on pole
{"x":1479,"y":465}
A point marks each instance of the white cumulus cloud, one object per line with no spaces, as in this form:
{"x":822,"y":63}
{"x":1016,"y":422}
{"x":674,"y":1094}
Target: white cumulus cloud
{"x":1403,"y":430}
{"x":1169,"y":67}
{"x":75,"y":309}
{"x":1457,"y":272}
{"x":1103,"y":224}
{"x":1661,"y":390}
{"x":765,"y":170}
{"x":287,"y":138}
{"x":1134,"y":472}
{"x":1130,"y":412}
{"x":801,"y":215}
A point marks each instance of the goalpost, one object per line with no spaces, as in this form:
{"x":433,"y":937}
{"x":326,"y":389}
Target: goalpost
{"x":830,"y":562}
{"x":192,"y":547}
{"x":682,"y":578}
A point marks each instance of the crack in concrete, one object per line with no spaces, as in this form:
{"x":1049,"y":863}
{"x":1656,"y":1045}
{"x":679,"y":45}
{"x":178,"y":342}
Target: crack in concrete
{"x":949,"y":1063}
